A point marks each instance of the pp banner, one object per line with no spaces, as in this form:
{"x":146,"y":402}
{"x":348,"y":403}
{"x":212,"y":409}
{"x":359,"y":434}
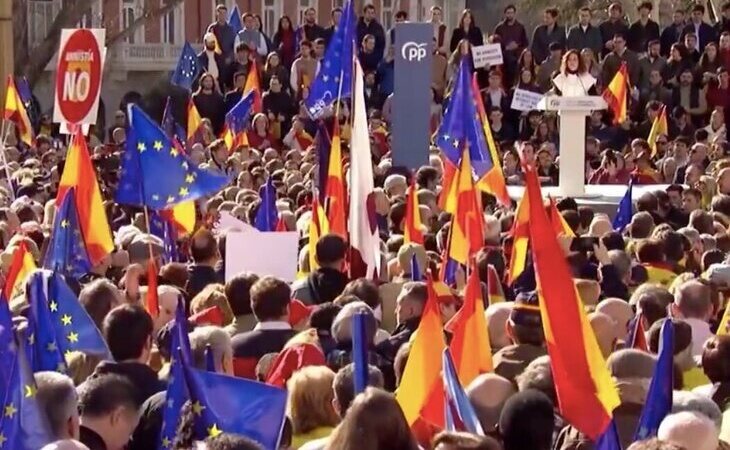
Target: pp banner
{"x":412,"y":95}
{"x":78,"y":76}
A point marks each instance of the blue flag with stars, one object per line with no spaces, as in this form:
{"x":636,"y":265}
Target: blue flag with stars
{"x":26,"y":96}
{"x":458,"y":411}
{"x":187,"y":69}
{"x":234,"y":20}
{"x":609,"y":440}
{"x":461,"y":127}
{"x":625,"y":210}
{"x":173,"y":130}
{"x":225,"y":404}
{"x":155,"y":173}
{"x":7,"y":344}
{"x":177,"y":391}
{"x":335,"y":74}
{"x":58,"y":324}
{"x":23,"y":426}
{"x":66,"y":252}
{"x":165,"y":230}
{"x":267,"y":216}
{"x":237,"y":119}
{"x":659,"y":398}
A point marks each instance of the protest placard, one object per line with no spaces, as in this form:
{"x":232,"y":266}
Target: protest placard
{"x":268,"y":253}
{"x":487,"y":55}
{"x":523,"y":100}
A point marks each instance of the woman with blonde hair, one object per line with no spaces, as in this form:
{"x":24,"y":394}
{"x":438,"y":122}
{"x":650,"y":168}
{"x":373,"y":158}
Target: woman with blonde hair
{"x":374,"y":421}
{"x":309,"y":406}
{"x":213,"y":295}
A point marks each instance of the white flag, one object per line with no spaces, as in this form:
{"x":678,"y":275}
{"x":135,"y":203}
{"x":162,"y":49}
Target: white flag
{"x":363,"y":225}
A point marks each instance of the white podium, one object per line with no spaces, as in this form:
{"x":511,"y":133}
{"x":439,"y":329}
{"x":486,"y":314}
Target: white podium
{"x":573,"y":112}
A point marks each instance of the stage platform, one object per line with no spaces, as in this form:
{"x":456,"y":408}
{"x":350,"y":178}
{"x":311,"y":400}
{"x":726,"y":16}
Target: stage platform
{"x":602,"y":198}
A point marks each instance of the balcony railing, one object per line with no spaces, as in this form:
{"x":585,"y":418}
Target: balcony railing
{"x":127,"y":57}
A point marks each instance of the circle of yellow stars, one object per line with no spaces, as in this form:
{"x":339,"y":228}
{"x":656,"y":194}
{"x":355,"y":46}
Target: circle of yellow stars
{"x":184,"y":190}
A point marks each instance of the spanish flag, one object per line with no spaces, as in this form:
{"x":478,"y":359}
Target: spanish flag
{"x":254,"y":85}
{"x":560,"y":226}
{"x":15,"y":112}
{"x":194,"y":120}
{"x":335,"y":190}
{"x":182,"y":216}
{"x":658,"y":128}
{"x":586,"y":392}
{"x":470,"y":336}
{"x":21,"y":266}
{"x":617,"y":95}
{"x":466,"y":235}
{"x":413,"y":229}
{"x":520,"y":240}
{"x":494,"y":286}
{"x":492,"y":181}
{"x":79,"y":174}
{"x":420,"y":393}
{"x":318,"y":227}
{"x":152,"y":300}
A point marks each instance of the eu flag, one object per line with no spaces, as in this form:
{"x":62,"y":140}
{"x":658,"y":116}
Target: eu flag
{"x":461,"y":127}
{"x":416,"y":274}
{"x":164,"y":229}
{"x":624,"y":211}
{"x":458,"y":411}
{"x":267,"y":216}
{"x":187,"y":69}
{"x":155,"y":173}
{"x":7,"y":343}
{"x":335,"y":75}
{"x":22,"y":425}
{"x":234,"y":20}
{"x":58,"y":323}
{"x":659,"y":398}
{"x":224,"y":404}
{"x":26,"y":96}
{"x":177,"y":391}
{"x":237,"y":119}
{"x":66,"y":252}
{"x":173,"y":130}
{"x":609,"y":440}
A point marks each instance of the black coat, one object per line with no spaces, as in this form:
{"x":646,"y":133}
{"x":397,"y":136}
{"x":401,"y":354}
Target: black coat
{"x":474,"y":36}
{"x":211,"y":106}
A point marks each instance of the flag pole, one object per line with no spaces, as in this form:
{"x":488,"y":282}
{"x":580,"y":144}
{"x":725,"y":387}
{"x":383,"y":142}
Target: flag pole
{"x":5,"y":131}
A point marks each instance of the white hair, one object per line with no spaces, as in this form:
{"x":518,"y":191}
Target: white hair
{"x":57,"y":398}
{"x":690,"y":430}
{"x":217,"y":338}
{"x":693,"y":402}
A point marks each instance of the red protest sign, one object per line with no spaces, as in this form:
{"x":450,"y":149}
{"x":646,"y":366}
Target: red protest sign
{"x":78,"y":76}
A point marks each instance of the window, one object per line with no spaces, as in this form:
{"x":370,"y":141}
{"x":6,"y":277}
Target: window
{"x":41,"y":14}
{"x":302,"y":6}
{"x":131,"y":10}
{"x":271,"y":12}
{"x":387,"y":14}
{"x":172,"y":24}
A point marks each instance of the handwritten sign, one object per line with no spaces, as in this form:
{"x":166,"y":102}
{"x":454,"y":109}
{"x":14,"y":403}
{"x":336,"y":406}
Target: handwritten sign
{"x":487,"y":55}
{"x":523,"y":100}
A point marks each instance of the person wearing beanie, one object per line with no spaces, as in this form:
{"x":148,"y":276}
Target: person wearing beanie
{"x":524,"y":328}
{"x":527,"y":421}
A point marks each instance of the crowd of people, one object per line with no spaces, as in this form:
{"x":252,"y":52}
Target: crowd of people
{"x":670,"y":263}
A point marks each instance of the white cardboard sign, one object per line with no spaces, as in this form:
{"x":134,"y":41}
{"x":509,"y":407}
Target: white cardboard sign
{"x":487,"y":54}
{"x":265,"y":253}
{"x":523,"y":100}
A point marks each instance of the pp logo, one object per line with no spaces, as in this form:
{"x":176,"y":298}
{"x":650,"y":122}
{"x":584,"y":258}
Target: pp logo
{"x":413,"y":51}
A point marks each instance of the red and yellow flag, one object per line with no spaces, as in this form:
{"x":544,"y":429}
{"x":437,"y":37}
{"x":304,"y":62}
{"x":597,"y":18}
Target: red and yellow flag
{"x":420,"y":393}
{"x":586,"y":392}
{"x":15,"y":112}
{"x":466,"y":235}
{"x":78,"y":173}
{"x":520,"y":240}
{"x":253,"y":84}
{"x":616,"y":95}
{"x":658,"y":127}
{"x":494,"y":286}
{"x":412,"y":229}
{"x":318,"y":227}
{"x":493,"y":181}
{"x":470,"y":336}
{"x":152,"y":300}
{"x":194,"y":120}
{"x":21,"y":266}
{"x":560,"y":226}
{"x":182,"y":216}
{"x":335,"y":188}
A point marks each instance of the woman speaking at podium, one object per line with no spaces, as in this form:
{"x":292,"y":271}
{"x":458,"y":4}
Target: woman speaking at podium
{"x":574,"y":80}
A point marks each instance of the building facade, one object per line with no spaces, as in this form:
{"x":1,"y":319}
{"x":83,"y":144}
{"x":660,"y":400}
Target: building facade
{"x":145,"y":58}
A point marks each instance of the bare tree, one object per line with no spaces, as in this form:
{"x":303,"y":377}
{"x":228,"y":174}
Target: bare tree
{"x":31,"y":62}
